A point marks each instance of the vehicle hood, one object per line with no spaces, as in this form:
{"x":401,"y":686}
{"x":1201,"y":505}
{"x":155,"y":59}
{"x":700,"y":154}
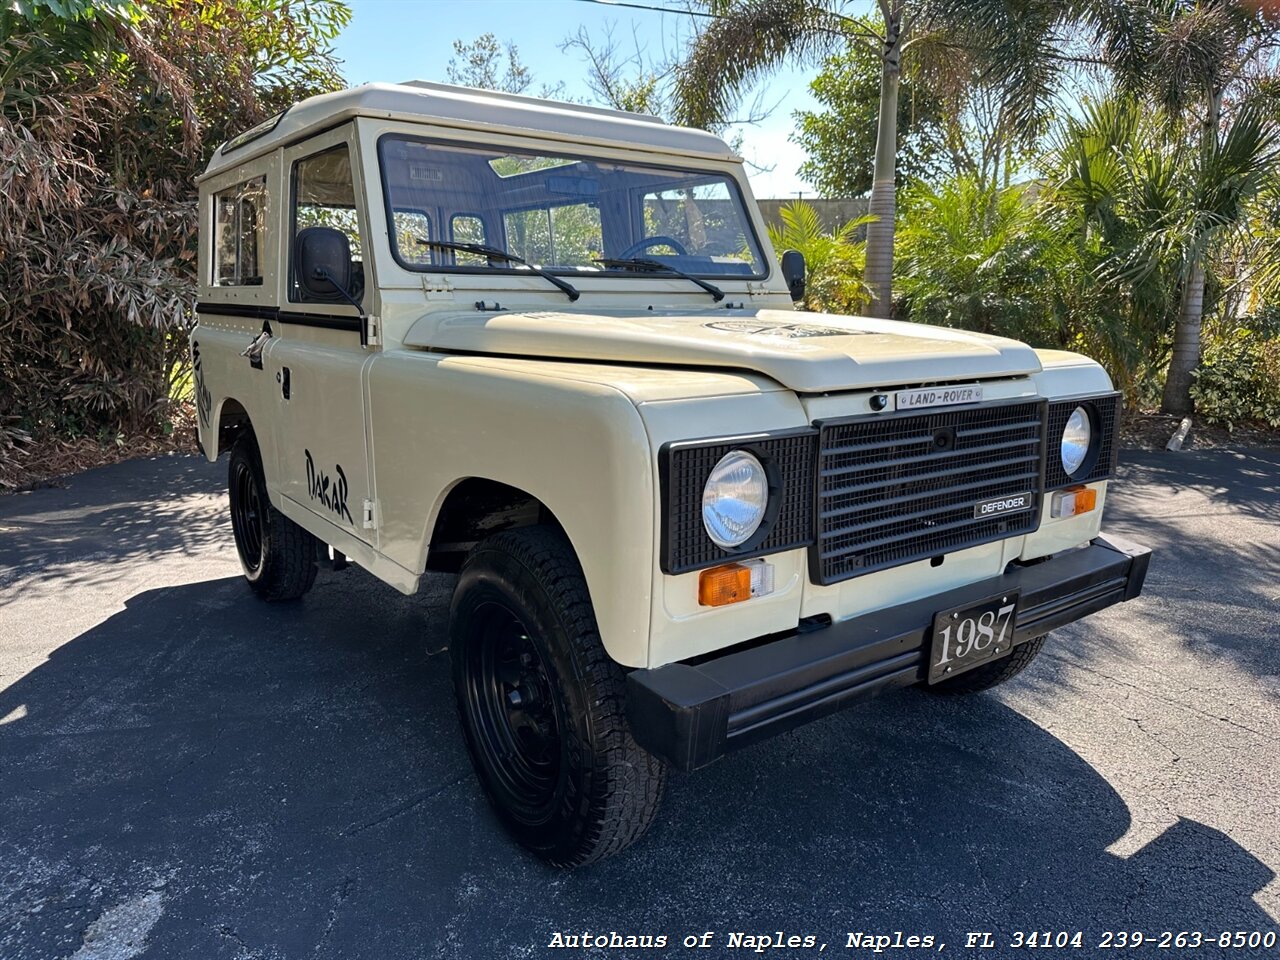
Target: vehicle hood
{"x":807,"y":352}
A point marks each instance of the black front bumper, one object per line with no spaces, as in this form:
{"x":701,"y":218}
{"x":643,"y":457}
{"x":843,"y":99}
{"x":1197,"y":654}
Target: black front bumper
{"x":692,"y":713}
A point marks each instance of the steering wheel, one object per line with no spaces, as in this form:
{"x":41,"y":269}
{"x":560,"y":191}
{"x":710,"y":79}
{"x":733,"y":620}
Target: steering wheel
{"x":659,"y":241}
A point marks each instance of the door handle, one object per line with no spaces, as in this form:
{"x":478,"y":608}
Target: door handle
{"x":254,"y":350}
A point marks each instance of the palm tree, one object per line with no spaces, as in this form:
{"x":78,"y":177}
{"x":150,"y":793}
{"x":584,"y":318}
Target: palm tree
{"x":1201,"y":49}
{"x":1149,"y":211}
{"x":1011,"y":44}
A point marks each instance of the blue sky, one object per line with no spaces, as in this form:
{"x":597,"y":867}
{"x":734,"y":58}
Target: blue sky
{"x":392,"y":40}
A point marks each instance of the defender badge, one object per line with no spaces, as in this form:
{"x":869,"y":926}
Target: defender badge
{"x":1001,"y":505}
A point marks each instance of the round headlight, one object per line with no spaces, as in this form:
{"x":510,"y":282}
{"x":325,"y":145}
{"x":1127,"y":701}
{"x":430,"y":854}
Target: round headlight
{"x":1075,"y":440}
{"x":734,"y":499}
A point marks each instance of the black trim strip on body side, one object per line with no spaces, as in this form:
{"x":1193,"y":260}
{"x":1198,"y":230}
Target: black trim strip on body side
{"x":325,"y":321}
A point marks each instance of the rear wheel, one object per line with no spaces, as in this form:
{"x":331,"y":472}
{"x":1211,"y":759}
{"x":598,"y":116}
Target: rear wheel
{"x":992,"y":674}
{"x":278,"y":557}
{"x":542,"y":705}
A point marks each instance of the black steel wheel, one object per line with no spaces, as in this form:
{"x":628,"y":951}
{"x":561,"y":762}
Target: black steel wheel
{"x":509,"y":702}
{"x":542,"y":705}
{"x":278,"y":557}
{"x":248,"y":522}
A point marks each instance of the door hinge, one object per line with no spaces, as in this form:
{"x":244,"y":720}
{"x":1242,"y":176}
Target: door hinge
{"x":437,"y":288}
{"x":372,"y":326}
{"x":369,"y":516}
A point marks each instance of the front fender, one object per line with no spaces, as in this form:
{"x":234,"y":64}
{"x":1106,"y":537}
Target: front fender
{"x":579,"y":447}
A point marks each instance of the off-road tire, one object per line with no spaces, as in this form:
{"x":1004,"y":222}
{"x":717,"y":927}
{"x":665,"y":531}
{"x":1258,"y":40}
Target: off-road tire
{"x":278,"y":557}
{"x":595,"y":790}
{"x":992,"y":674}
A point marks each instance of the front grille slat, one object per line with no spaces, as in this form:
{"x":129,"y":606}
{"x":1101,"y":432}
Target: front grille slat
{"x":1031,"y":476}
{"x":934,"y":475}
{"x":869,"y":467}
{"x":930,"y":456}
{"x":972,"y":432}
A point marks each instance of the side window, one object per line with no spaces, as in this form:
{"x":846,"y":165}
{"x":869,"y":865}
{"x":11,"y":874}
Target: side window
{"x":324,"y":196}
{"x":412,"y":226}
{"x":240,"y":234}
{"x":468,"y":228}
{"x":567,"y":235}
{"x":703,"y":218}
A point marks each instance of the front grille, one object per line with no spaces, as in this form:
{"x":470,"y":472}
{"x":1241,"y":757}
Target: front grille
{"x":900,"y":488}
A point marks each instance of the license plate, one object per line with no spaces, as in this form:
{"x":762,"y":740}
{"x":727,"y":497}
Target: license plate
{"x":969,"y":636}
{"x":936,"y":397}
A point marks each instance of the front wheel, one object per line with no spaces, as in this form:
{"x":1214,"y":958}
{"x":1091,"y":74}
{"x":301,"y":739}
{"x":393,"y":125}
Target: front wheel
{"x":992,"y":674}
{"x":542,"y":705}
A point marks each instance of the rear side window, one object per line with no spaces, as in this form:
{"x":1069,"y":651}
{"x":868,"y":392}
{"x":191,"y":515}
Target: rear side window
{"x":239,"y":234}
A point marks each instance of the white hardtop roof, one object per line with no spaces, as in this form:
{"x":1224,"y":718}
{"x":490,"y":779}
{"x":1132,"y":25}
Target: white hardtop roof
{"x":469,"y":108}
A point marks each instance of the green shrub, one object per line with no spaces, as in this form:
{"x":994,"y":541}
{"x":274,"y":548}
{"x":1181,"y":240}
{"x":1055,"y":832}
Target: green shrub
{"x":835,"y":259}
{"x":977,"y":256}
{"x":1239,"y":377}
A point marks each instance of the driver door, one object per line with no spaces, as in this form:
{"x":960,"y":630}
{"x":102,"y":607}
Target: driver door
{"x":319,"y":363}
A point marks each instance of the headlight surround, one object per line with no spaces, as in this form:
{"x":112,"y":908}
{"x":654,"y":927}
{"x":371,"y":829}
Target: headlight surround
{"x":1077,"y":436}
{"x":735,"y":499}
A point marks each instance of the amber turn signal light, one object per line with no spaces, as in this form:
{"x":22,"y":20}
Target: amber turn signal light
{"x":1073,"y":501}
{"x":730,"y":583}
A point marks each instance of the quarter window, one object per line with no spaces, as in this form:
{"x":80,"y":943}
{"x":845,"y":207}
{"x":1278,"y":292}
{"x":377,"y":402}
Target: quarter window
{"x":564,"y":235}
{"x":239,"y":234}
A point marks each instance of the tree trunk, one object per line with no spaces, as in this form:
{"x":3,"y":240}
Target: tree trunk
{"x":1186,"y":335}
{"x":883,"y":205}
{"x":1186,"y":344}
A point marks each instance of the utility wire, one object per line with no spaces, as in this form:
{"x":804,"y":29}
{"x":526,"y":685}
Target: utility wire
{"x":640,"y":6}
{"x":631,"y":5}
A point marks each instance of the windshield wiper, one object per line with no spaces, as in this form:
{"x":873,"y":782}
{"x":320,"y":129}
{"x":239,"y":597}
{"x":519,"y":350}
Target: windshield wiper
{"x":493,"y":253}
{"x":657,"y":266}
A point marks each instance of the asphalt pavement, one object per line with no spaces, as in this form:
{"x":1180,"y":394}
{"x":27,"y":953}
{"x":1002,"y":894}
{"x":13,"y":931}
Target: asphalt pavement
{"x":186,"y":772}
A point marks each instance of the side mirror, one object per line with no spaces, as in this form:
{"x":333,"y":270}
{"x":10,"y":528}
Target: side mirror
{"x":793,"y":271}
{"x":322,"y":264}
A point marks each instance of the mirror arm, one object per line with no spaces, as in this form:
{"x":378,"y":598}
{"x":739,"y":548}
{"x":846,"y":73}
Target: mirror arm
{"x":325,"y":273}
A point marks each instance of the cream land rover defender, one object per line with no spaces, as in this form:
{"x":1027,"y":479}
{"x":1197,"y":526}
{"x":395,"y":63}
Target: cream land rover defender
{"x":548,"y":347}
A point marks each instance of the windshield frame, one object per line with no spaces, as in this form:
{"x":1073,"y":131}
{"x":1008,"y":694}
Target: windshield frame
{"x":764,"y":268}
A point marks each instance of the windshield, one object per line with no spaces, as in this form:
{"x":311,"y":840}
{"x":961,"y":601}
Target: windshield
{"x":561,"y":213}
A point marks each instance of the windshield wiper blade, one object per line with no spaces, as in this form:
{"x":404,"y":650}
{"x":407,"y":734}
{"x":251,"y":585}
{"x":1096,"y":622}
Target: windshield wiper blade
{"x":657,"y":266}
{"x":493,"y":253}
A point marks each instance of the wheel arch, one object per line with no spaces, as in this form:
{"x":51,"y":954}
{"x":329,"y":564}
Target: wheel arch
{"x":474,"y":508}
{"x":232,"y":420}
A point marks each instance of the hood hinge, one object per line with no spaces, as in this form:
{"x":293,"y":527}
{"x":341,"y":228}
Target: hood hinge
{"x":437,"y":288}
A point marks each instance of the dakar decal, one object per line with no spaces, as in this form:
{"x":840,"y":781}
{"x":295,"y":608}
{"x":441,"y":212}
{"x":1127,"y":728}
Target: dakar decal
{"x":789,"y":331}
{"x":204,"y":399}
{"x":332,"y":494}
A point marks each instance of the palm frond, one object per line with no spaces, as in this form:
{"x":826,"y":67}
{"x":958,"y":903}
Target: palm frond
{"x":751,"y":38}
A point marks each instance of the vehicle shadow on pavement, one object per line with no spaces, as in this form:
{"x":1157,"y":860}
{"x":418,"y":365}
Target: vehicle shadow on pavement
{"x":236,"y":779}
